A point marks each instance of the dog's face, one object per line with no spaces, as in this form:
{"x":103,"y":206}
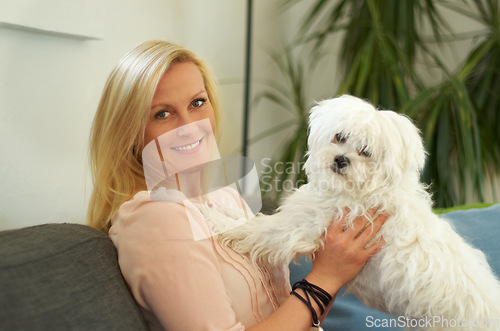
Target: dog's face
{"x":356,"y":149}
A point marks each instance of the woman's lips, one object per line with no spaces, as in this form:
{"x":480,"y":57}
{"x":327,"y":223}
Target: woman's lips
{"x":189,"y":147}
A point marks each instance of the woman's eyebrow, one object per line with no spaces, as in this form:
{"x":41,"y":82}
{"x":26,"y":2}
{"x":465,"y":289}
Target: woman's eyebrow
{"x":162,"y":105}
{"x":166,"y":105}
{"x":197,"y":94}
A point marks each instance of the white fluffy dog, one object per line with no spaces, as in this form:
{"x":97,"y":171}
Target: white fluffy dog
{"x":360,"y":158}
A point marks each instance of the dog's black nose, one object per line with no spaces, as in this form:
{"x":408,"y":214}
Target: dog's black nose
{"x":341,"y":161}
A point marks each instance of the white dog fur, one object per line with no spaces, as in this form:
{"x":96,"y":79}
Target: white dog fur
{"x":360,"y":158}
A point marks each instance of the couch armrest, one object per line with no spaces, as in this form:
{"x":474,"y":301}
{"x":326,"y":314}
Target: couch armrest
{"x":63,"y":277}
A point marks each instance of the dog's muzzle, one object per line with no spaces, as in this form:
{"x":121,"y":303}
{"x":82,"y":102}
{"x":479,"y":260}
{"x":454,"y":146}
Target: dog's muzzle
{"x":340,"y":162}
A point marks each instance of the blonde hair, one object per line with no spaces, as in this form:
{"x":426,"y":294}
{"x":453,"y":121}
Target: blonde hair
{"x":117,"y":134}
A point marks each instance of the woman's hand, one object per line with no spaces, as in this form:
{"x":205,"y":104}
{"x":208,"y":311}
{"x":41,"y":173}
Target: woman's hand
{"x":344,"y":253}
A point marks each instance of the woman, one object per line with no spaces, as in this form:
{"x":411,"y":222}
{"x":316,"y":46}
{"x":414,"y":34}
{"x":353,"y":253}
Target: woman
{"x":160,"y":90}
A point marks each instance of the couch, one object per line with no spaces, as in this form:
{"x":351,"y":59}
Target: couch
{"x":66,"y":277}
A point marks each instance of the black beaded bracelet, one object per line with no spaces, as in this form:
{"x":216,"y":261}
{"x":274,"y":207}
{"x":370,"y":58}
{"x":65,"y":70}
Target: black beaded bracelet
{"x":320,"y":296}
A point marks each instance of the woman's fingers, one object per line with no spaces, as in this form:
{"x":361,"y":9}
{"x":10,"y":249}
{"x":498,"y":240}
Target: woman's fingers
{"x":363,"y":228}
{"x":359,"y":223}
{"x":342,"y":225}
{"x":376,"y":247}
{"x":370,"y":229}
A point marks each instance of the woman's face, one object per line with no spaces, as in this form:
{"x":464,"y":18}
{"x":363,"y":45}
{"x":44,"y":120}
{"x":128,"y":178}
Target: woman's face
{"x":182,"y":118}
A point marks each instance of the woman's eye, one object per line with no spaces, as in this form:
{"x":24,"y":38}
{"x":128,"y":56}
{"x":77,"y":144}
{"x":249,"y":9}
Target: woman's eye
{"x":162,"y":114}
{"x":198,"y":103}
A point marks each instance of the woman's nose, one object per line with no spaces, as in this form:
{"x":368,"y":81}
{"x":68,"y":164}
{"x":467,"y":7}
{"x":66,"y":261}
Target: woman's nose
{"x":187,"y":126}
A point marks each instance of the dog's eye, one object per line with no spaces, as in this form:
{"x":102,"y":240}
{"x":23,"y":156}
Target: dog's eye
{"x":364,"y":152}
{"x":339,"y":138}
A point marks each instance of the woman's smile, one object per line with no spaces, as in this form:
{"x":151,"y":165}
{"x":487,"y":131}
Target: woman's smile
{"x":189,"y":148}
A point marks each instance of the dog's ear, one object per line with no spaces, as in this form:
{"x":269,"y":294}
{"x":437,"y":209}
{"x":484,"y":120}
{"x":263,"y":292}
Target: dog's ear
{"x":412,"y":152}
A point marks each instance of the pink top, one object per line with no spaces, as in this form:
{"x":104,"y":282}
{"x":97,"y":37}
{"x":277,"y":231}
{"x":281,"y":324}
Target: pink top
{"x":186,"y":284}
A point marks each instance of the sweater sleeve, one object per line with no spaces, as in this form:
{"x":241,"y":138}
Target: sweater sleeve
{"x":175,"y":277}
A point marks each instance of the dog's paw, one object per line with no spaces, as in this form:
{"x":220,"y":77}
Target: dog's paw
{"x":220,"y":220}
{"x":232,"y":237}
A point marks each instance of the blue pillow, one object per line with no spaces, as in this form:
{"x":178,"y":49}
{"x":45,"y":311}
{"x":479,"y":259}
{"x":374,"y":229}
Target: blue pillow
{"x":480,"y":227}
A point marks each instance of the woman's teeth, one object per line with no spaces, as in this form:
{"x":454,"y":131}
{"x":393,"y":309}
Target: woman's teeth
{"x":187,"y":147}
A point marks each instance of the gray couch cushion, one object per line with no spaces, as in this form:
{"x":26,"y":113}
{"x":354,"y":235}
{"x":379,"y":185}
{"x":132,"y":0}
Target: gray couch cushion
{"x":63,"y":277}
